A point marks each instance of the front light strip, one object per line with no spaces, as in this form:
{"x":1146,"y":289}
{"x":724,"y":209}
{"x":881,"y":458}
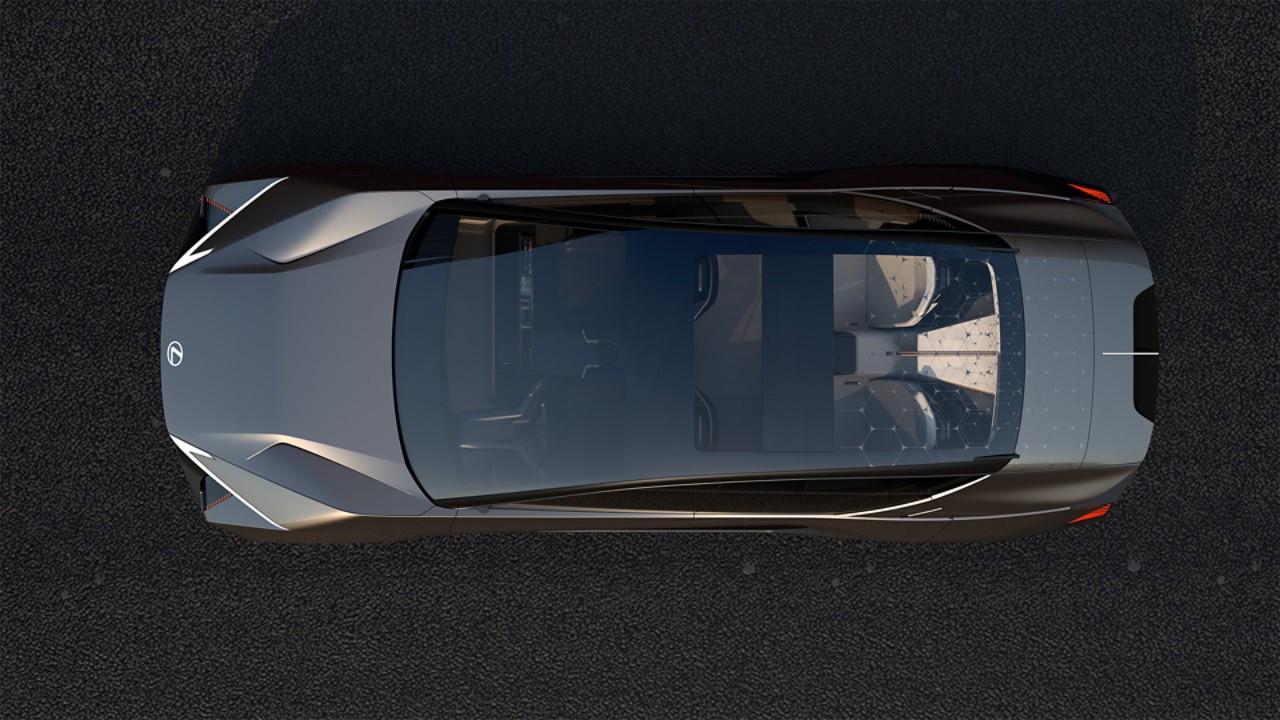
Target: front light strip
{"x":195,"y":453}
{"x":191,"y":255}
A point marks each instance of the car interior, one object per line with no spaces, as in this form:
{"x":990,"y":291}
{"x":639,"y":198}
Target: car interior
{"x":913,"y":355}
{"x":530,"y":387}
{"x":873,"y":355}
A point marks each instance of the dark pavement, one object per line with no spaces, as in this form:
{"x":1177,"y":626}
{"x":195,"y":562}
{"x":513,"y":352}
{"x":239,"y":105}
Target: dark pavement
{"x":118,"y":601}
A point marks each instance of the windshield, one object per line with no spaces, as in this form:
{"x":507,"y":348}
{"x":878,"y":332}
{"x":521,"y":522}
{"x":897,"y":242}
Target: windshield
{"x":533,"y":356}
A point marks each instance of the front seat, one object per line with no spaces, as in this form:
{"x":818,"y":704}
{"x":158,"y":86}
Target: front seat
{"x":522,"y":431}
{"x":900,"y":289}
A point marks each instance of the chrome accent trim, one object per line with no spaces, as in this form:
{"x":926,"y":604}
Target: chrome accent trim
{"x":917,"y":502}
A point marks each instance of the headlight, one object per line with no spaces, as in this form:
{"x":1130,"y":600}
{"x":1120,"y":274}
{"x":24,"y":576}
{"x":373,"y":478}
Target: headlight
{"x":194,"y":454}
{"x":211,"y":211}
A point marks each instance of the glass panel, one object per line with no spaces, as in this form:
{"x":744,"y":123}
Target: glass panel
{"x":683,"y":206}
{"x":845,"y":211}
{"x":533,"y":357}
{"x":914,"y":343}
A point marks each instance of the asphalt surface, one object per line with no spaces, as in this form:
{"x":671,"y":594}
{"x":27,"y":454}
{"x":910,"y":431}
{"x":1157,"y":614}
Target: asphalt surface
{"x":119,"y":601}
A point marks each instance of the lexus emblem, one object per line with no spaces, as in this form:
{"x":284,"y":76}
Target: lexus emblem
{"x":175,"y":353}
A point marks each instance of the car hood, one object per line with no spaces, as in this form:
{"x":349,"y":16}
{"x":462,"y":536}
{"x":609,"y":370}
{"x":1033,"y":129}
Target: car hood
{"x":295,"y":353}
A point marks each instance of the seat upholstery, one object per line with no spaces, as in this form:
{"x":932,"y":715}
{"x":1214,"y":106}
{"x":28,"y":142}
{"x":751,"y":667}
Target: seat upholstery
{"x":903,"y":406}
{"x":900,"y":289}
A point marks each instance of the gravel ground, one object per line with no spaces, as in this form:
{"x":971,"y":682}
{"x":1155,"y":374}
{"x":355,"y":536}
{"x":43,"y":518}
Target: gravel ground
{"x":119,"y":601}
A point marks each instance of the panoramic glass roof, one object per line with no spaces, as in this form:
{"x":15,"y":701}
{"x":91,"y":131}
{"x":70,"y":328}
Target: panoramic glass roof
{"x":533,"y":356}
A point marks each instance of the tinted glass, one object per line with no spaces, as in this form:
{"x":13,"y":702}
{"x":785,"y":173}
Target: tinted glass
{"x":844,"y":211}
{"x":532,"y":356}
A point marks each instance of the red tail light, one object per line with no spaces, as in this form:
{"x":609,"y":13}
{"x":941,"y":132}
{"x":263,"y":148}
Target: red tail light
{"x":1094,"y":513}
{"x":1092,"y":193}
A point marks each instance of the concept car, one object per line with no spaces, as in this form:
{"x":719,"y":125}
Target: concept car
{"x":907,"y":353}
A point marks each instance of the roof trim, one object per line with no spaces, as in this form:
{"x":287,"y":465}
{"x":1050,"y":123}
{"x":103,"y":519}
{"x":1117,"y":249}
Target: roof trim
{"x":507,"y":211}
{"x":984,"y":466}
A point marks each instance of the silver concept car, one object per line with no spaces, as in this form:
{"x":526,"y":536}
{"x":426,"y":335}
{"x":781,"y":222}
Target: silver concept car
{"x":908,"y":353}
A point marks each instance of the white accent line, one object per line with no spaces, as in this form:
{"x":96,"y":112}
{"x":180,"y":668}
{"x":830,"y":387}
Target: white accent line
{"x":535,"y":194}
{"x":191,"y":451}
{"x":926,"y":512}
{"x":191,"y":255}
{"x":1130,"y":353}
{"x":918,"y":502}
{"x":968,"y":189}
{"x":765,"y":187}
{"x":1011,"y":515}
{"x":268,"y":447}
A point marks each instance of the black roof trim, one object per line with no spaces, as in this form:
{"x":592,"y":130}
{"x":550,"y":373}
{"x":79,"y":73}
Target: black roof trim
{"x":574,"y":218}
{"x":978,"y":466}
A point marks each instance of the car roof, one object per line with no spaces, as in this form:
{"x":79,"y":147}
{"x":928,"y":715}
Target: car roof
{"x":637,"y":422}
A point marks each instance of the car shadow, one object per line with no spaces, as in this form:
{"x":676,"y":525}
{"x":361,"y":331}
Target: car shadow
{"x":667,"y":88}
